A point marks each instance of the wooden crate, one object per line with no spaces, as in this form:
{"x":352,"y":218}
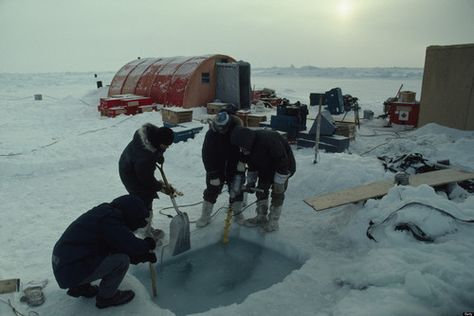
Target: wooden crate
{"x":215,"y":107}
{"x":242,"y":114}
{"x":254,"y":120}
{"x":347,"y":129}
{"x":9,"y":286}
{"x":250,"y":119}
{"x":176,"y":115}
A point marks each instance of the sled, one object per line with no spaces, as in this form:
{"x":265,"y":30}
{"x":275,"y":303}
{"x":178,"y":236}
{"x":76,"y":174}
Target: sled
{"x":380,"y":188}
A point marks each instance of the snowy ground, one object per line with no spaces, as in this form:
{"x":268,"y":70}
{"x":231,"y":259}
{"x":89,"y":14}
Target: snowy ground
{"x":58,"y":158}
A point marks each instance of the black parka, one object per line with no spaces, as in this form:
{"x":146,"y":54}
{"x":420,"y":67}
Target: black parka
{"x":219,"y":156}
{"x":269,"y":152}
{"x":137,"y":166}
{"x":106,"y":229}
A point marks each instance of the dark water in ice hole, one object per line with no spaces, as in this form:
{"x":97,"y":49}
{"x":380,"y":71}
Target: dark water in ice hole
{"x":216,"y":275}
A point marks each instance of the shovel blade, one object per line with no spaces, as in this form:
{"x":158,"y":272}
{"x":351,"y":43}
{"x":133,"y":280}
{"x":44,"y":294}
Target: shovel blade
{"x":180,"y":240}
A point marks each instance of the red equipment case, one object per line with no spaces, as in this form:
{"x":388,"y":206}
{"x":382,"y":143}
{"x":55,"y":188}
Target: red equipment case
{"x":404,"y":113}
{"x":113,"y":111}
{"x":128,"y":104}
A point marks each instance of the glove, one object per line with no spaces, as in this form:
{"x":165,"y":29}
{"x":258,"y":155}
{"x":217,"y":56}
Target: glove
{"x":166,"y":189}
{"x":160,"y":160}
{"x":279,"y":181}
{"x":151,"y":243}
{"x":251,"y":180}
{"x":235,"y":188}
{"x":148,"y":257}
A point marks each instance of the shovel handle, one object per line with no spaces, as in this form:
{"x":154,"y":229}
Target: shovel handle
{"x":165,"y":180}
{"x":154,"y":289}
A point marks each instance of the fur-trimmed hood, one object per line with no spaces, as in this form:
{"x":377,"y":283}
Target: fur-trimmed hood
{"x":152,"y":137}
{"x":144,"y":138}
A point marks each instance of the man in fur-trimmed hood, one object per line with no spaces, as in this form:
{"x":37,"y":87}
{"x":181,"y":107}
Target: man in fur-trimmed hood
{"x":138,"y":161}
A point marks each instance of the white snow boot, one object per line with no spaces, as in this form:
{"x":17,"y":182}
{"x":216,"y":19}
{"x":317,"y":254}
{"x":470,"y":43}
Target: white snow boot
{"x":245,"y":199}
{"x":205,"y":218}
{"x":261,"y":218}
{"x":273,"y":217}
{"x":237,"y":211}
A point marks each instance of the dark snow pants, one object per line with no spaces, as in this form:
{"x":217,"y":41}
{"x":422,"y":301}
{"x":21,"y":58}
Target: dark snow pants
{"x":111,"y":272}
{"x":265,"y":185}
{"x":212,"y":191}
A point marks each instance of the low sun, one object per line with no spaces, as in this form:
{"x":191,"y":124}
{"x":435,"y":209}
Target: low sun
{"x":344,"y":9}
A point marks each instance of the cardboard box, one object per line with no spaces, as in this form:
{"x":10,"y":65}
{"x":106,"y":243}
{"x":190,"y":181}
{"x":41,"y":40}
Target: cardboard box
{"x":407,"y":96}
{"x":346,"y":129}
{"x":176,"y":115}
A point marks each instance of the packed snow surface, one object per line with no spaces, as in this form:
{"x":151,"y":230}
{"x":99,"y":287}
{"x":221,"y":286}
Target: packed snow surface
{"x":58,"y":159}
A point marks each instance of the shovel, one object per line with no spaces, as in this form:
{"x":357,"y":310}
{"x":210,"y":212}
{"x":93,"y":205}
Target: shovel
{"x":179,"y":225}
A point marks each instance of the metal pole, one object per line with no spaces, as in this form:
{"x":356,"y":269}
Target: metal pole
{"x":318,"y":128}
{"x":151,"y":266}
{"x":154,"y":289}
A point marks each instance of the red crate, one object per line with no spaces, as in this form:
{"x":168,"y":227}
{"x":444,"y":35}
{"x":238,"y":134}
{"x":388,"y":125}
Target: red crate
{"x":114,"y":111}
{"x":404,"y":113}
{"x":106,"y":103}
{"x":131,"y":109}
{"x":135,"y":101}
{"x":147,"y":108}
{"x":128,"y":104}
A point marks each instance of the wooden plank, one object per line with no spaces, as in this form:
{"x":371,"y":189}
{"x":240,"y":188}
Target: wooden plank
{"x":440,"y":177}
{"x":351,"y":195}
{"x":9,"y":286}
{"x":380,"y":188}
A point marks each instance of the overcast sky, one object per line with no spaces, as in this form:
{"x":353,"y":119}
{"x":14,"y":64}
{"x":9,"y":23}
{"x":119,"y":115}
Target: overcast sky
{"x":103,"y":35}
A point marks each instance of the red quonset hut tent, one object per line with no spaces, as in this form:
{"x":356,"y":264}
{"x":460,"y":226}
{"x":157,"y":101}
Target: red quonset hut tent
{"x":176,"y":81}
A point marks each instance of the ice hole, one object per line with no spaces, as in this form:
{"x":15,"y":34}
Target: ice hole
{"x":217,"y":275}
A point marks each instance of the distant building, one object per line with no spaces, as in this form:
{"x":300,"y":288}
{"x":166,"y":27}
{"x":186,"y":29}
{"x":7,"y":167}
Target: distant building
{"x":186,"y":81}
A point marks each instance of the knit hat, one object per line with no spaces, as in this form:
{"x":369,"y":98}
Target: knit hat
{"x":133,"y":211}
{"x":159,"y":135}
{"x":221,"y":122}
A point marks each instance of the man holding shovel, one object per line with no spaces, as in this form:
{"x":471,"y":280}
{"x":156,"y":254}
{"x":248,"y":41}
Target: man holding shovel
{"x":137,"y":166}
